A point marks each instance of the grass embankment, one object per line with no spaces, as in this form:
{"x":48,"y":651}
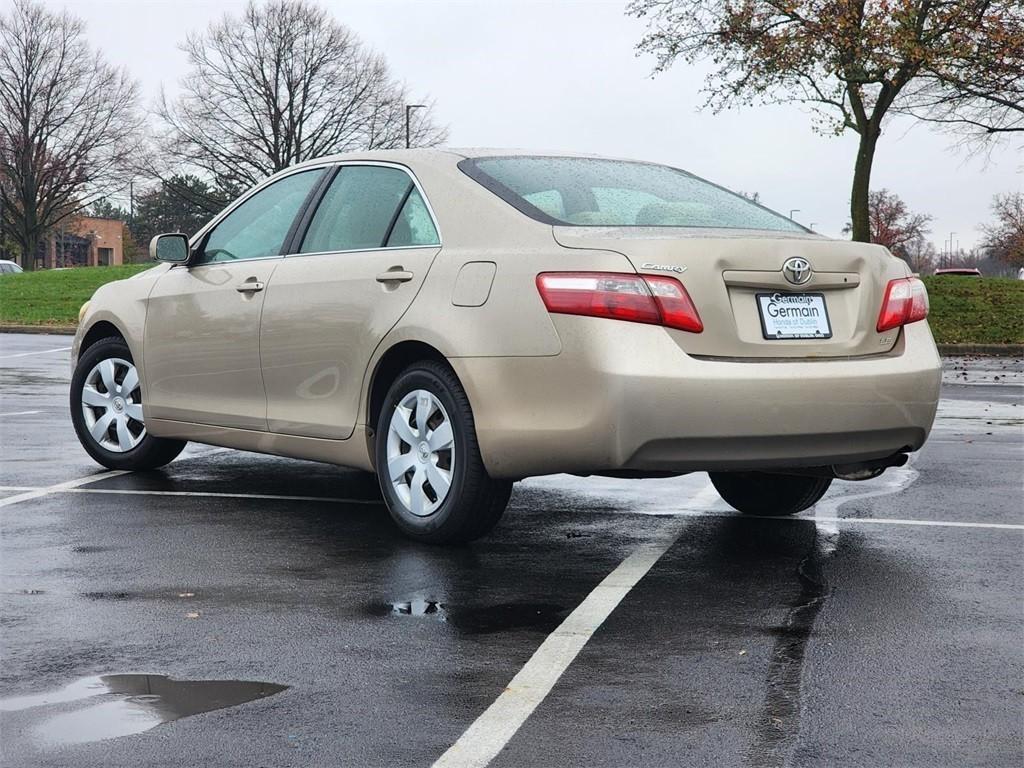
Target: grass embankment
{"x":972,"y":310}
{"x":964,"y":310}
{"x":54,"y":296}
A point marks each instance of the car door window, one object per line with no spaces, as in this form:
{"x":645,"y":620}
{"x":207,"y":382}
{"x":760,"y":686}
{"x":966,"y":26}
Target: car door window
{"x":413,"y":225}
{"x":358,"y":209}
{"x":258,"y":227}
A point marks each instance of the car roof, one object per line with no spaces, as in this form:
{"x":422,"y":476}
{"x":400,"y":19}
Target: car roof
{"x":446,"y":155}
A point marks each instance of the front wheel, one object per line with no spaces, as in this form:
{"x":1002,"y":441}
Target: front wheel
{"x":428,"y":461}
{"x":762,"y":493}
{"x":106,"y":410}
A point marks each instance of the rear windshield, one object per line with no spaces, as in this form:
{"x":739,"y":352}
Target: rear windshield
{"x":593,"y":192}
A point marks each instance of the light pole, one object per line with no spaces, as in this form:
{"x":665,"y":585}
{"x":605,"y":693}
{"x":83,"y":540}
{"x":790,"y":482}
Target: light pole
{"x":791,"y":212}
{"x":408,"y":111}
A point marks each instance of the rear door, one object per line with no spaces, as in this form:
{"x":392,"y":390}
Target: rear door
{"x":202,"y":361}
{"x":361,"y":260}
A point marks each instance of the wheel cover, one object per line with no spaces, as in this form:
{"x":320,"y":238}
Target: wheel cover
{"x":112,"y":405}
{"x":420,"y":452}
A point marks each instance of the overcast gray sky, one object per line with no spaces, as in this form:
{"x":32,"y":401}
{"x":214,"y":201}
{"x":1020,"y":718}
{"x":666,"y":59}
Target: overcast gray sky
{"x":565,"y":75}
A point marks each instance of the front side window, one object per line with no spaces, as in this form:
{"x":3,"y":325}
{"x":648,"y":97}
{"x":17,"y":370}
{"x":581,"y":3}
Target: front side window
{"x":258,"y":227}
{"x":360,"y":210}
{"x":585,"y":191}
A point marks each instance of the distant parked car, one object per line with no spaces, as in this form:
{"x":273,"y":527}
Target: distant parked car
{"x":965,"y":271}
{"x":9,"y":267}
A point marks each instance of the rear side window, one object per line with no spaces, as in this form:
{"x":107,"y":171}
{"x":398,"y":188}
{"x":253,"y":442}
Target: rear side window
{"x":413,"y":225}
{"x":584,"y":191}
{"x":358,"y":210}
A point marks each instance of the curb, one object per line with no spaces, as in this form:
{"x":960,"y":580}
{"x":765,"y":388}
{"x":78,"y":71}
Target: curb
{"x":60,"y":330}
{"x":989,"y":350}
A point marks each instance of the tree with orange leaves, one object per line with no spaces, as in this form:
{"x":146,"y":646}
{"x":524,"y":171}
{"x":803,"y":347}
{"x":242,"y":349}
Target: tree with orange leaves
{"x":957,"y":63}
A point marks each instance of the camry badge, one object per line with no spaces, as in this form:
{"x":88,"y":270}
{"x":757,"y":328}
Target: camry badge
{"x":797,"y":270}
{"x":663,"y":267}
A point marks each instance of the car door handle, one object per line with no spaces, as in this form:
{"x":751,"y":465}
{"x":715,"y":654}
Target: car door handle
{"x":395,"y":276}
{"x":250,"y":286}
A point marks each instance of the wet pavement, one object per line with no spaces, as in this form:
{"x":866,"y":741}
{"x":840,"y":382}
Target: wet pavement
{"x":241,"y":610}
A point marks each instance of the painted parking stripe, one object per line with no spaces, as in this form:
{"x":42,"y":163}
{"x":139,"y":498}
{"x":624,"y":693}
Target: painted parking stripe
{"x":219,"y":495}
{"x":59,"y":487}
{"x":686,"y":512}
{"x":19,"y":413}
{"x":39,"y":352}
{"x":489,"y":734}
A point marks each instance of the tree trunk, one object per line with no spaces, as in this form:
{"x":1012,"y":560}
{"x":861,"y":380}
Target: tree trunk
{"x":859,"y":218}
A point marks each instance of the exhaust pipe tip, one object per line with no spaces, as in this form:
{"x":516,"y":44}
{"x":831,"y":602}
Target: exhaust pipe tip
{"x":868,"y":470}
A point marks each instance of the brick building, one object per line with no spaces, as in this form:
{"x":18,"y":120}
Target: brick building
{"x":88,"y":241}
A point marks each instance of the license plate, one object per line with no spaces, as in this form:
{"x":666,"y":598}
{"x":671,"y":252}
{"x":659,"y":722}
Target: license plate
{"x":794,"y":316}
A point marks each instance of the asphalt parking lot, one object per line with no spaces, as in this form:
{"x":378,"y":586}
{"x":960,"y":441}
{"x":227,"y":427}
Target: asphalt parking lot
{"x":604,"y":623}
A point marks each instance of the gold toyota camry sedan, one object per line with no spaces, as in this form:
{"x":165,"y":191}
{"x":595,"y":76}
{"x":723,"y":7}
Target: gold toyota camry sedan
{"x":456,"y":320}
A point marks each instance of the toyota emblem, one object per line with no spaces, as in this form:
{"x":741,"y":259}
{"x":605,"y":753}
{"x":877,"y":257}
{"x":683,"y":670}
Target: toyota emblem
{"x":797,"y":270}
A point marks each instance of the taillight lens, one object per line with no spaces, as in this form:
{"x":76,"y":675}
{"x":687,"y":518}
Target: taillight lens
{"x":906,"y":301}
{"x":635,"y":298}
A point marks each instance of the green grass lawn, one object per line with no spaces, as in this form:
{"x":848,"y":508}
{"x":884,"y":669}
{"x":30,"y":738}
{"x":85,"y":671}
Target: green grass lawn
{"x":972,"y":310}
{"x":966,"y":310}
{"x":53,"y":297}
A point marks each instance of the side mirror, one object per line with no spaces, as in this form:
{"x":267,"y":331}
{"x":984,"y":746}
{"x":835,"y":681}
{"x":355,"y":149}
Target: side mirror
{"x":172,"y":248}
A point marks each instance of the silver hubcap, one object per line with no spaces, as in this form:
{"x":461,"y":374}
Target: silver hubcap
{"x":421,"y":452}
{"x":112,"y":405}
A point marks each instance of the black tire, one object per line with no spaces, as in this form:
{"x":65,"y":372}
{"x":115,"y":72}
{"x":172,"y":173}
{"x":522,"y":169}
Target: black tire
{"x":762,"y":493}
{"x":475,"y":501}
{"x":151,"y":452}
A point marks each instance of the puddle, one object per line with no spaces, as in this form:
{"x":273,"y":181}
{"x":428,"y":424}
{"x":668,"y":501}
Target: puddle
{"x":133,"y":704}
{"x":539,"y":617}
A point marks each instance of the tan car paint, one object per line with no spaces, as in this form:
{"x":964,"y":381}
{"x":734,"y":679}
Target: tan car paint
{"x":723,"y":275}
{"x":208,"y":369}
{"x":555,"y":393}
{"x":323,"y":317}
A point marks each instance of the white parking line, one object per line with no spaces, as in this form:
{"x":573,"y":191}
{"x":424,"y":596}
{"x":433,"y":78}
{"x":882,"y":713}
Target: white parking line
{"x":19,"y":413}
{"x":59,"y":487}
{"x":40,"y":352}
{"x":489,"y":734}
{"x":218,"y":495}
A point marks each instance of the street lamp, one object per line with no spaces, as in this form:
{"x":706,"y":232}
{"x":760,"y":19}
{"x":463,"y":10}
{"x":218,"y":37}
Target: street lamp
{"x":791,"y":212}
{"x":408,"y":110}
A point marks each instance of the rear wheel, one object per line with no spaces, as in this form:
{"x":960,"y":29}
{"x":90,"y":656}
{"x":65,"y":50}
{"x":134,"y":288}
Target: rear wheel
{"x":428,"y":461}
{"x":106,"y":410}
{"x":762,"y":493}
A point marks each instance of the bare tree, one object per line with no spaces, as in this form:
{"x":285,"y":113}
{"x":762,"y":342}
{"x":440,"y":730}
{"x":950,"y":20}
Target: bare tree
{"x":854,"y":62}
{"x":1004,"y":238}
{"x":69,"y":123}
{"x":284,"y":82}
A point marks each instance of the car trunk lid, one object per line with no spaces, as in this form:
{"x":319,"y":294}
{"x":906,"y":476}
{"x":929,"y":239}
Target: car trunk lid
{"x":737,"y":281}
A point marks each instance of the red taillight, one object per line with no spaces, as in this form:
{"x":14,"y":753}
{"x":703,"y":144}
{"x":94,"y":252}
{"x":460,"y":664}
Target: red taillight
{"x":906,"y":301}
{"x":636,"y":298}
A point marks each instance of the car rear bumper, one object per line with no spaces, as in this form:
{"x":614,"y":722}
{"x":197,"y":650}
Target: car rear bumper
{"x":623,"y":396}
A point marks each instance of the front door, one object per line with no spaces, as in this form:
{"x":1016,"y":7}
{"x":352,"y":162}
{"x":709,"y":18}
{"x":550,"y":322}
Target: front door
{"x":202,"y":345}
{"x":362,"y":260}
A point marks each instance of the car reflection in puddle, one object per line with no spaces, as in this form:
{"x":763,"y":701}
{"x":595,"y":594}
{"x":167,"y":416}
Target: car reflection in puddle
{"x":133,"y":704}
